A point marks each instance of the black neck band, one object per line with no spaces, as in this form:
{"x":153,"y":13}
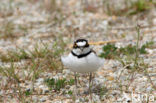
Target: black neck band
{"x":81,"y":55}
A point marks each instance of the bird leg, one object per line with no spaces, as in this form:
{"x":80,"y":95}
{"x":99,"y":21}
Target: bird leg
{"x":75,"y":84}
{"x":90,"y":84}
{"x":75,"y":79}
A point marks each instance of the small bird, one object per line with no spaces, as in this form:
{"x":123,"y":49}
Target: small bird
{"x":82,"y":59}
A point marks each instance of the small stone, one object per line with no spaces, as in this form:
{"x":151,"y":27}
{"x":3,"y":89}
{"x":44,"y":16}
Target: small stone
{"x":66,"y":71}
{"x":44,"y":88}
{"x":40,"y":80}
{"x":1,"y":92}
{"x":68,"y":86}
{"x":43,"y":99}
{"x":35,"y":99}
{"x":45,"y":91}
{"x":148,"y":89}
{"x":110,"y":78}
{"x":28,"y":89}
{"x":77,"y":101}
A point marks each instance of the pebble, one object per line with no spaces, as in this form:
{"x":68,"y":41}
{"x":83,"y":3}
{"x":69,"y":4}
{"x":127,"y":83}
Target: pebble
{"x":43,"y":99}
{"x":40,"y":80}
{"x":35,"y":99}
{"x":1,"y":92}
{"x":44,"y":88}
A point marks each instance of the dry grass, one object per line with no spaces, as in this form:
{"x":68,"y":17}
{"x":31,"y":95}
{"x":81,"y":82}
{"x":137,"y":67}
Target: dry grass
{"x":37,"y":61}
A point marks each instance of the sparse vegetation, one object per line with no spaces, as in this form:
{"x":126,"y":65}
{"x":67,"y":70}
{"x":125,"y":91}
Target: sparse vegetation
{"x":70,"y":92}
{"x":14,"y":56}
{"x":110,"y":51}
{"x":28,"y":92}
{"x":57,"y":84}
{"x":129,"y":56}
{"x":11,"y":31}
{"x":14,"y":79}
{"x":103,"y":91}
{"x":41,"y":59}
{"x":131,"y":8}
{"x":140,"y":6}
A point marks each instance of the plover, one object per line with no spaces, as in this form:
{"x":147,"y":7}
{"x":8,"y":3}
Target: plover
{"x":82,"y":59}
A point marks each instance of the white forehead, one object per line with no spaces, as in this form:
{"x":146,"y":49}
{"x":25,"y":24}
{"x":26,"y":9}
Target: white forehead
{"x":81,"y":43}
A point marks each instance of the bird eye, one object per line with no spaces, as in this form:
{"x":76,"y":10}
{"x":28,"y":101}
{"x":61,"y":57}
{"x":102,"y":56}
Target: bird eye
{"x":75,"y":46}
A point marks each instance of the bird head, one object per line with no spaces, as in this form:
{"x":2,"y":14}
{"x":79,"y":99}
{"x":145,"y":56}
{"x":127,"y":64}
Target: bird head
{"x":81,"y":46}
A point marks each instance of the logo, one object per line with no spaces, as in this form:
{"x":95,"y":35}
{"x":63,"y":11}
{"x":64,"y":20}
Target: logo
{"x":139,"y":97}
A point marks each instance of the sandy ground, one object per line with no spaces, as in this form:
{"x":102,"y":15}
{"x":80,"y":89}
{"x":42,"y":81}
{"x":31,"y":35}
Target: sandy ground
{"x":27,"y":23}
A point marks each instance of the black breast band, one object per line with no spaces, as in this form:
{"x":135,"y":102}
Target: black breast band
{"x":81,"y":55}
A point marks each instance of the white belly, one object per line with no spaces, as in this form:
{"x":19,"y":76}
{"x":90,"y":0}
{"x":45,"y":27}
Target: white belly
{"x":86,"y":64}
